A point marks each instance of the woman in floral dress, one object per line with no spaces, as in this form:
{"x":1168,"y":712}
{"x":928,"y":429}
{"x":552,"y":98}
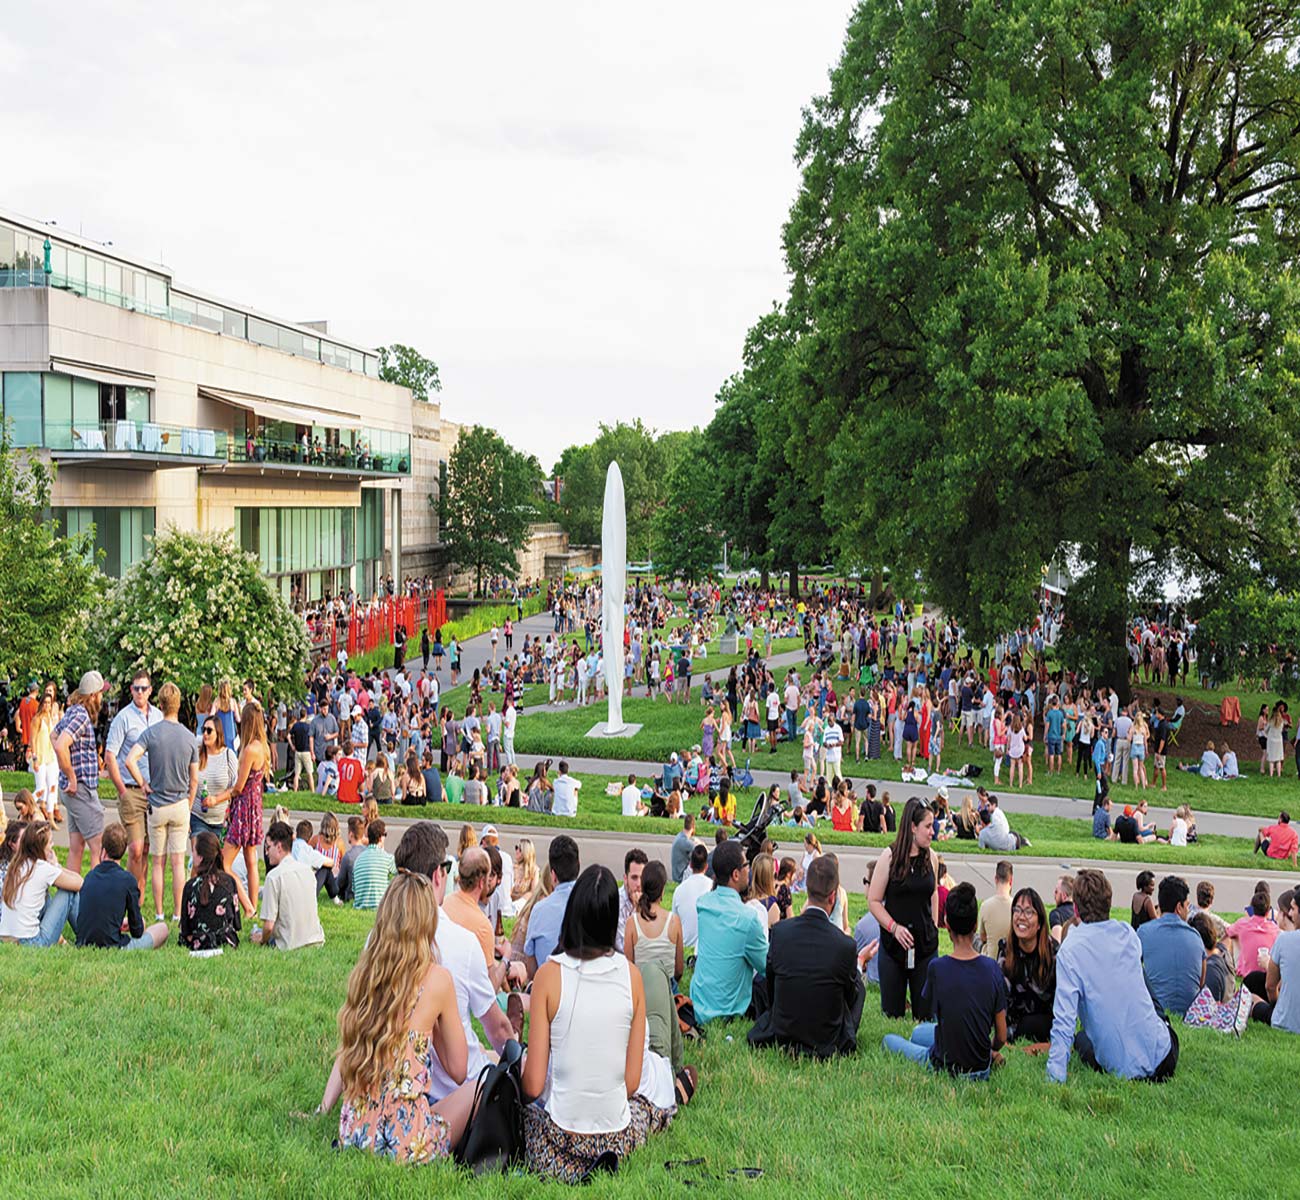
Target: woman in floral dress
{"x":244,"y":816}
{"x":400,"y":1012}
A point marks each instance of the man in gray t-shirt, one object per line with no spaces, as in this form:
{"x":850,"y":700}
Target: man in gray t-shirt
{"x":324,"y":732}
{"x":169,"y":748}
{"x":173,"y":753}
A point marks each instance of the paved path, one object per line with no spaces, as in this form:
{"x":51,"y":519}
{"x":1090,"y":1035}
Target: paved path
{"x":1228,"y":824}
{"x":1233,"y":887}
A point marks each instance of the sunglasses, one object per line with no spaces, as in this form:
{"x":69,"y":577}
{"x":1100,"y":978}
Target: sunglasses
{"x":141,"y":687}
{"x":209,"y":731}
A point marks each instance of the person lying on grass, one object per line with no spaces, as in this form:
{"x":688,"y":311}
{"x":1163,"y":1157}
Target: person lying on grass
{"x":968,"y":995}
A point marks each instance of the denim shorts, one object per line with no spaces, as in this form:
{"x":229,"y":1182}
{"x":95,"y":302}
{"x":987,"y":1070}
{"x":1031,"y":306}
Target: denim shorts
{"x":1054,"y":746}
{"x":198,"y":826}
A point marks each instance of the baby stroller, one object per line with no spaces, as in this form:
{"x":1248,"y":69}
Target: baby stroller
{"x":753,"y":833}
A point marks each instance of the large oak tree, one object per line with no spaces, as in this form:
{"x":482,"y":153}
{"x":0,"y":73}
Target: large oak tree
{"x":1043,"y":287}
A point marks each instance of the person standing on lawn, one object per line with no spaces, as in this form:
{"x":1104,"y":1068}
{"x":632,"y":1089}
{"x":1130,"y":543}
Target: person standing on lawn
{"x":173,"y":783}
{"x":132,"y":806}
{"x":78,"y":758}
{"x":1100,"y":984}
{"x":904,"y":898}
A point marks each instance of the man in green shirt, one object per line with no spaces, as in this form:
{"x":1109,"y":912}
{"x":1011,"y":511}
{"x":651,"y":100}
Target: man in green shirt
{"x":373,"y":869}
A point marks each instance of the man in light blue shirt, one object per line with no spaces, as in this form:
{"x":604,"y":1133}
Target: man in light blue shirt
{"x":732,"y":945}
{"x":1099,"y":981}
{"x":1173,"y":955}
{"x":123,"y":732}
{"x":547,"y":917}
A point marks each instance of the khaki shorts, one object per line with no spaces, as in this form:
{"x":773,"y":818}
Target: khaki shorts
{"x":169,"y":828}
{"x":133,"y":812}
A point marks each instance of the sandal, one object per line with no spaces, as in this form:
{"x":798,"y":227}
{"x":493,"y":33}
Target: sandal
{"x":686,"y":1082}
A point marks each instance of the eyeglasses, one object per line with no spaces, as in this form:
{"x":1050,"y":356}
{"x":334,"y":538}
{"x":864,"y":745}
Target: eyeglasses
{"x":1023,"y":911}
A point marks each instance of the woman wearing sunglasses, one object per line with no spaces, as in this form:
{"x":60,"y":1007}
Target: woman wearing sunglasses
{"x":218,"y":771}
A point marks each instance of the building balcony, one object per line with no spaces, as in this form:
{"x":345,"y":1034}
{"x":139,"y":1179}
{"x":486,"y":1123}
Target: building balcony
{"x":135,"y":444}
{"x":269,"y":456}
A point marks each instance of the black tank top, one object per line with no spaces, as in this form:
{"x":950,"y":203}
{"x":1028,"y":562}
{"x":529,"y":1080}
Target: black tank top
{"x":907,"y":900}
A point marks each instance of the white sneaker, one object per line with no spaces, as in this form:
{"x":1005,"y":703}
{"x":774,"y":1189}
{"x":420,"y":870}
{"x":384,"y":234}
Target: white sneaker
{"x":158,"y":917}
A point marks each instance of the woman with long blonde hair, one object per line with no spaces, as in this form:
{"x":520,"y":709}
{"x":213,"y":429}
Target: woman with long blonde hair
{"x":525,"y":870}
{"x":519,"y":935}
{"x":399,"y":1013}
{"x":227,"y":712}
{"x":244,"y":831}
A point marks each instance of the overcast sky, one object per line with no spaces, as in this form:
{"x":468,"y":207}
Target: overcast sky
{"x":574,"y":208}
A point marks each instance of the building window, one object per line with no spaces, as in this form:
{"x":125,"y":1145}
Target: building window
{"x":122,"y":534}
{"x":22,"y":407}
{"x":294,"y":541}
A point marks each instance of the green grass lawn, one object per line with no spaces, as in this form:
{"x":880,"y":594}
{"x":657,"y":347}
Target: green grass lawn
{"x":669,"y":727}
{"x":157,"y":1076}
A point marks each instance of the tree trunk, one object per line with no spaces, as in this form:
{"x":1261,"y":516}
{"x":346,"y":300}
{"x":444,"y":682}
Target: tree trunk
{"x":1113,"y":565}
{"x":794,"y":580}
{"x":764,"y":578}
{"x":877,"y":586}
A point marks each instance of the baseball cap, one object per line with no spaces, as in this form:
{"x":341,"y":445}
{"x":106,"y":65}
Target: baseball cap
{"x":489,"y":831}
{"x":91,"y":682}
{"x":1128,"y":810}
{"x":941,"y":792}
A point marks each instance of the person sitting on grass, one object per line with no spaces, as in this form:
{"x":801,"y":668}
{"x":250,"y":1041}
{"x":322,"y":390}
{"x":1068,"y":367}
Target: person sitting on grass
{"x":356,"y":844}
{"x":1129,"y":830}
{"x":588,"y":1036}
{"x":814,"y":986}
{"x":110,"y":897}
{"x":212,"y":902}
{"x":1254,"y":934}
{"x":631,"y":799}
{"x":29,"y":914}
{"x":400,"y":1014}
{"x":290,"y":919}
{"x":968,"y":996}
{"x":1218,"y":970}
{"x":1101,"y":826}
{"x":731,"y":951}
{"x":1100,"y":984}
{"x":1279,"y":841}
{"x":996,"y":832}
{"x":321,"y":865}
{"x":327,"y":778}
{"x":1028,"y":958}
{"x":373,"y":868}
{"x":1281,"y":1008}
{"x":1173,"y":957}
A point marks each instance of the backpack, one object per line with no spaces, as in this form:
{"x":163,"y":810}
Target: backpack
{"x":494,"y":1135}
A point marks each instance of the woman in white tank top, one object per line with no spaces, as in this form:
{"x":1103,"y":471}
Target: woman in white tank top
{"x":588,"y":1033}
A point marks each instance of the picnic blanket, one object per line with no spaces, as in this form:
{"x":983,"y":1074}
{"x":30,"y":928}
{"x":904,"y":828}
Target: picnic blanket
{"x":1230,"y":711}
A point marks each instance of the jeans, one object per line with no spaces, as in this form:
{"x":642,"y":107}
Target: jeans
{"x":789,"y":724}
{"x":917,"y":1048}
{"x":60,"y":908}
{"x":325,"y":878}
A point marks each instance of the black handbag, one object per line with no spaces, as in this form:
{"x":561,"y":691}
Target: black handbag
{"x":494,"y":1135}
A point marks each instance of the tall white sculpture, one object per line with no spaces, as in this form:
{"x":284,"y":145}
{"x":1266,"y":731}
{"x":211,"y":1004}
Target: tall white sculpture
{"x":613,"y":582}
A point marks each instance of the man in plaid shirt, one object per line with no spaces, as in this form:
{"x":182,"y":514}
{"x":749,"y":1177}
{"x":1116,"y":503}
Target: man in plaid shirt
{"x":74,"y":747}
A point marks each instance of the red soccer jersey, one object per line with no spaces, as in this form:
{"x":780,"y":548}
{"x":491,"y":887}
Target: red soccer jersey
{"x":351,"y":773}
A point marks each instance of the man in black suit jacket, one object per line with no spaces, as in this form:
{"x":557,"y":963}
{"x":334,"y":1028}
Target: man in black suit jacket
{"x":814,"y":986}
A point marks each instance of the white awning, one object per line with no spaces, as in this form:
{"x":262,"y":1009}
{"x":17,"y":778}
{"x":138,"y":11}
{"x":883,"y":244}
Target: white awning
{"x":284,"y":410}
{"x":65,"y":366}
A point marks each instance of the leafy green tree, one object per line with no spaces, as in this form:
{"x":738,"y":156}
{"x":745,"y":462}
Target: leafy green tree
{"x":645,"y":459}
{"x":493,"y":494}
{"x":50,"y":584}
{"x":197,"y":609}
{"x":409,"y":368}
{"x":1252,"y":630}
{"x":686,"y":541}
{"x":1043,"y":287}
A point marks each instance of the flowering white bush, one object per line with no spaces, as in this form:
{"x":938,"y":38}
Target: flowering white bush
{"x":198,"y":610}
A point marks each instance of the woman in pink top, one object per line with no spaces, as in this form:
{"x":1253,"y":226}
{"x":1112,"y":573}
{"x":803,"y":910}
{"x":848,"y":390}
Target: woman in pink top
{"x":1253,"y":934}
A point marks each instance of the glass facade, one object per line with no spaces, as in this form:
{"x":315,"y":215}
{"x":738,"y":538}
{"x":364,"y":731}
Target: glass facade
{"x":22,"y":407}
{"x":308,"y":552}
{"x":259,"y":439}
{"x":22,"y":264}
{"x":121,"y":533}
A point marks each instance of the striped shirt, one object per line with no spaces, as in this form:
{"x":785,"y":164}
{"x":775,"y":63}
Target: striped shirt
{"x":370,"y":875}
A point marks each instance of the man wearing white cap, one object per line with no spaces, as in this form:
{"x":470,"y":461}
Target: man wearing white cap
{"x":74,"y":748}
{"x":503,"y":902}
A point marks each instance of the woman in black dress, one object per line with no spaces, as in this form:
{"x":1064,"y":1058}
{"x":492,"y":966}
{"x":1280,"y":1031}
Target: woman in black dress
{"x":904,"y":898}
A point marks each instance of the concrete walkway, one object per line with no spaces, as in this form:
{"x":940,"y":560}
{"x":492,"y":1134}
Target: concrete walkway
{"x":1228,"y":824}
